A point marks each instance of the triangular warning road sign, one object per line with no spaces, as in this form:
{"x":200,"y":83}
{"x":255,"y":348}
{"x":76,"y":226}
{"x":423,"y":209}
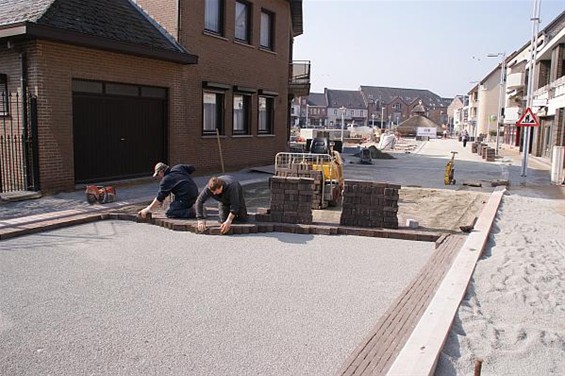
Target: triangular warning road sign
{"x":528,"y":119}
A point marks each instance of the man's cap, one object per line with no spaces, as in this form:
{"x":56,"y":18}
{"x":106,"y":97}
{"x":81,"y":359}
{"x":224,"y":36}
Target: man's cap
{"x":158,"y":168}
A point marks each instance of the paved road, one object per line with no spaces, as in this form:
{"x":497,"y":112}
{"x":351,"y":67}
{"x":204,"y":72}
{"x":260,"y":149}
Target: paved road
{"x":119,"y":298}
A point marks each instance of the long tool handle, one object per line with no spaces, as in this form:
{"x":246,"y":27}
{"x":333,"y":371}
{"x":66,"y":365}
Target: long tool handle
{"x":220,"y":149}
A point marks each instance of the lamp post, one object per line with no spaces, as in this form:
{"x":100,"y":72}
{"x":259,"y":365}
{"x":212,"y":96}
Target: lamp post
{"x":307,"y":122}
{"x":342,"y":109}
{"x":532,"y":71}
{"x":382,"y":115}
{"x":499,"y":117}
{"x":373,"y":120}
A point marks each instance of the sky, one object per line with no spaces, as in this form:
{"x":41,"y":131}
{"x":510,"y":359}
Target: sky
{"x":441,"y":46}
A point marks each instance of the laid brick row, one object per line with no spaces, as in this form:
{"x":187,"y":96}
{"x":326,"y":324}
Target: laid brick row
{"x":191,"y":226}
{"x":376,"y":353}
{"x":315,"y":229}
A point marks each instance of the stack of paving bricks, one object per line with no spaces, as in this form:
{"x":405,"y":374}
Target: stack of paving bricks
{"x":488,"y":154}
{"x":291,"y":200}
{"x":304,"y":170}
{"x":370,"y":204}
{"x":475,"y":147}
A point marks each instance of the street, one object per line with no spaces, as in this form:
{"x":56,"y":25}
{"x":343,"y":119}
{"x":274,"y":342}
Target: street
{"x":124,"y":298}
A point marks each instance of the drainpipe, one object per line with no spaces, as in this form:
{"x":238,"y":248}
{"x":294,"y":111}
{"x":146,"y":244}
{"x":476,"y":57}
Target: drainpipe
{"x":25,"y":133}
{"x":179,"y":22}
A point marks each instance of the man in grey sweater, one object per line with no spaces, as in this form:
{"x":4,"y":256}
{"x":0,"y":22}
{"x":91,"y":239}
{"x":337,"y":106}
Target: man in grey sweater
{"x":231,"y":203}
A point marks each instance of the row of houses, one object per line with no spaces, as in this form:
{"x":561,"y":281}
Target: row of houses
{"x":500,"y":98}
{"x":95,"y":91}
{"x":371,"y":106}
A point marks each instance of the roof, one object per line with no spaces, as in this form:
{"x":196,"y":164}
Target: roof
{"x":116,"y":25}
{"x":388,"y":94}
{"x":346,"y":98}
{"x":317,"y":100}
{"x":17,"y":11}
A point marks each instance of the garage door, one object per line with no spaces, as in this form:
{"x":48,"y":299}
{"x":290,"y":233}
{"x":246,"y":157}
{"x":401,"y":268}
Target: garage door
{"x":119,"y":130}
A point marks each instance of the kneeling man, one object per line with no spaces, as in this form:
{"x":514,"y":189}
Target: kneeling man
{"x":231,"y":203}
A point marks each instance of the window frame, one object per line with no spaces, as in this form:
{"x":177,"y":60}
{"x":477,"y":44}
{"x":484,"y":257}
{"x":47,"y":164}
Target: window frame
{"x":219,"y":17}
{"x":220,"y":100}
{"x":271,"y":30}
{"x":246,"y":100}
{"x":248,"y":18}
{"x":269,"y":113}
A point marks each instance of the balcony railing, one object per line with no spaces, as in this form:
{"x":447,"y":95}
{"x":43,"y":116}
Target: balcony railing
{"x":515,"y":80}
{"x":558,"y":87}
{"x":541,"y":91}
{"x":299,"y":78}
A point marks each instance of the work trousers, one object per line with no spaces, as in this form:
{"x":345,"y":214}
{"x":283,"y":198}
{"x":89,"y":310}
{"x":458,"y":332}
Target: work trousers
{"x":180,"y":209}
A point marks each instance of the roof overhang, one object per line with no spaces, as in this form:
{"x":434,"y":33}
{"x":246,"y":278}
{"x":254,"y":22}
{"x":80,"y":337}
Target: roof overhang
{"x":297,"y":18}
{"x":34,"y":31}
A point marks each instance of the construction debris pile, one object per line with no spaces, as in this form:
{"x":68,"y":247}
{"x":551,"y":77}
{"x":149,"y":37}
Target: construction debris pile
{"x":291,"y":200}
{"x":370,"y":204}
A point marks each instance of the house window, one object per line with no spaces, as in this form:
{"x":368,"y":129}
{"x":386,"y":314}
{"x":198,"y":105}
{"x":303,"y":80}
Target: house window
{"x":241,"y":113}
{"x":266,"y":115}
{"x":214,"y":16}
{"x":396,"y":106}
{"x":213,"y":113}
{"x":3,"y":95}
{"x":242,"y":25}
{"x":267,"y":34}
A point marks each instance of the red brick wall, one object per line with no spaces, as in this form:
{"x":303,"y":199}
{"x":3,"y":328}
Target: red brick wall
{"x":225,"y":61}
{"x":52,"y":68}
{"x":164,"y":12}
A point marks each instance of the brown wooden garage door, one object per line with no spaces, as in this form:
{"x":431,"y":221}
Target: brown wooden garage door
{"x":117,"y":136}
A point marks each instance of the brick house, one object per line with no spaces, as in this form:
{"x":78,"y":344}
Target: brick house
{"x":397,"y":104}
{"x":104,"y":89}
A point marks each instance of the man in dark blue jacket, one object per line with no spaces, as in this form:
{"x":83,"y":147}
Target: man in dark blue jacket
{"x":175,"y":180}
{"x":231,"y":203}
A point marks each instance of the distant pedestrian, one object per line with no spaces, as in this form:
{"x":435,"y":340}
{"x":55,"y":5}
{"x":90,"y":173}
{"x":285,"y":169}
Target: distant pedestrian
{"x":175,"y":180}
{"x":444,"y":134}
{"x":231,"y":203}
{"x":464,"y":137}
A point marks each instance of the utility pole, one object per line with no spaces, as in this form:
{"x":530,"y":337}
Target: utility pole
{"x":533,"y":53}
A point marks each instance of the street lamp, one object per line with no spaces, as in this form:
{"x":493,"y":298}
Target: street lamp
{"x":342,"y":109}
{"x":499,"y":117}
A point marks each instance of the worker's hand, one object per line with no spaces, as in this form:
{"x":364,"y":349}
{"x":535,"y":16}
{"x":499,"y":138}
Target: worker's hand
{"x":201,"y":226}
{"x":225,"y":227}
{"x":143,"y":212}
